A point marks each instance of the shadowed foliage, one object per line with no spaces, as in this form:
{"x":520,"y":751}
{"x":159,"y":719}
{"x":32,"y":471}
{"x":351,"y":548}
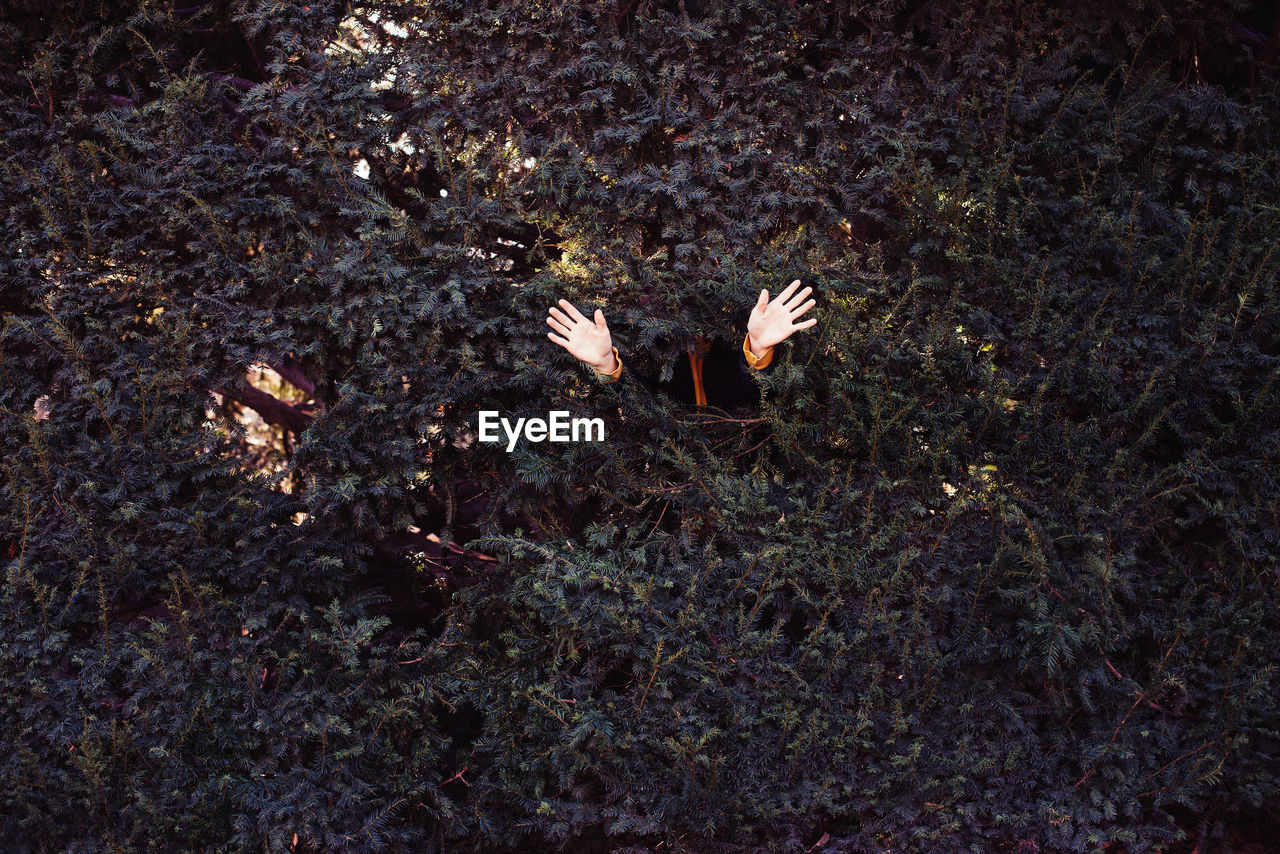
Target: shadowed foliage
{"x":994,"y":566}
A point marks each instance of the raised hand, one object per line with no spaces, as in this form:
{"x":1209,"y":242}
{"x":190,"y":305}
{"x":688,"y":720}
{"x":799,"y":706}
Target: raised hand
{"x":772,"y":322}
{"x":584,"y":339}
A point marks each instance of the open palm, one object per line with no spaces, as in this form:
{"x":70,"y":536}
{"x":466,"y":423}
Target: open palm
{"x":584,"y":339}
{"x":773,"y":321}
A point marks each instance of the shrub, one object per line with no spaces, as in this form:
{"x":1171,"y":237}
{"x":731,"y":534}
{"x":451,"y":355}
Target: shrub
{"x":993,"y":567}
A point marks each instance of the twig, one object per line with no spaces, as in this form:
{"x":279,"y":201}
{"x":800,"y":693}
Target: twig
{"x":457,"y":777}
{"x":665,"y":505}
{"x":714,"y":420}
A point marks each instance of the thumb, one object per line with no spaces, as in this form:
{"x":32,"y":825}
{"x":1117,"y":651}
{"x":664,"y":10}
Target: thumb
{"x":600,"y":319}
{"x":764,"y":298}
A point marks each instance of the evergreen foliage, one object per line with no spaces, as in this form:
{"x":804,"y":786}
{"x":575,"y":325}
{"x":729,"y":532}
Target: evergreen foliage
{"x":993,"y":568}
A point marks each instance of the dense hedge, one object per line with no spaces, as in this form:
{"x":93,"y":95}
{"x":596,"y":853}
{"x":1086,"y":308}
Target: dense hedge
{"x":993,"y":567}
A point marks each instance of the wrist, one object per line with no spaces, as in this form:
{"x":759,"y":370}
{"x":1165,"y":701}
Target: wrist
{"x":606,"y":365}
{"x":756,"y":350}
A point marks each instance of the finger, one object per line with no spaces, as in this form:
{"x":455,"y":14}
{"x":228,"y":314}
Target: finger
{"x":562,"y":317}
{"x":791,"y":289}
{"x":600,"y":320}
{"x":563,"y":342}
{"x":798,"y":298}
{"x":810,"y":322}
{"x":764,"y":299}
{"x":558,"y":326}
{"x":802,"y":309}
{"x":573,"y":312}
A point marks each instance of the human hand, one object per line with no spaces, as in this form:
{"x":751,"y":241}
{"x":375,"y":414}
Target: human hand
{"x":772,"y":322}
{"x":584,"y":339}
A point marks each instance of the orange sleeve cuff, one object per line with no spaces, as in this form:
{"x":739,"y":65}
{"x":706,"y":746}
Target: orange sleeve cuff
{"x":614,"y":374}
{"x":757,"y":363}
